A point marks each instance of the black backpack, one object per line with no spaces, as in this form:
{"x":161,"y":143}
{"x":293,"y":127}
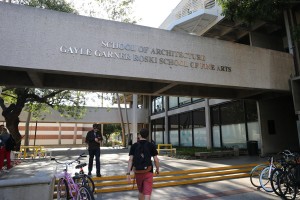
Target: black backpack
{"x":10,"y":144}
{"x":142,"y":157}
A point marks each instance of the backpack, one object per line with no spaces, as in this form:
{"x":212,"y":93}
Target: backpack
{"x":142,"y":158}
{"x":10,"y":144}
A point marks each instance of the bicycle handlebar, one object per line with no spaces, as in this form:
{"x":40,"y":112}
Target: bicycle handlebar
{"x":69,"y":163}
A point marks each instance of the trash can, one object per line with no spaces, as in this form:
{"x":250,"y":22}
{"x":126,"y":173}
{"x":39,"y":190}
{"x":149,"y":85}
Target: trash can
{"x":252,"y":147}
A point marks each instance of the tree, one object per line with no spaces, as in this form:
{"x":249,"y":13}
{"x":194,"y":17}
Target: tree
{"x":116,"y":10}
{"x":250,"y":11}
{"x":58,"y":5}
{"x":38,"y":101}
{"x":109,"y":129}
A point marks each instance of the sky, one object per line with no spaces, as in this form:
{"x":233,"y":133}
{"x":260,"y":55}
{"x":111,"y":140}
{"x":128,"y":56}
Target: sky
{"x":154,"y":12}
{"x":151,"y":12}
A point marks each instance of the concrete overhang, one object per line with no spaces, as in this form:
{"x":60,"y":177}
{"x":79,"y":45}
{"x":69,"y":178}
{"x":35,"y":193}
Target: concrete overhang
{"x":195,"y":22}
{"x":49,"y":49}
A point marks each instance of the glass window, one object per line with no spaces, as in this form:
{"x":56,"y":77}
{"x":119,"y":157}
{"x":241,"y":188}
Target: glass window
{"x":216,"y":136}
{"x":234,"y":135}
{"x":253,"y":132}
{"x":252,"y":122}
{"x":197,"y":99}
{"x":158,"y":104}
{"x":158,"y":128}
{"x":233,"y":127}
{"x":186,"y":129}
{"x":215,"y":122}
{"x":173,"y":102}
{"x":232,"y":113}
{"x":184,"y":100}
{"x":200,"y":138}
{"x":251,"y":111}
{"x":173,"y":123}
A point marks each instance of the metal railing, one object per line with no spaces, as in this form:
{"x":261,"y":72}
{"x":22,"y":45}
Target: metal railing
{"x":187,"y":7}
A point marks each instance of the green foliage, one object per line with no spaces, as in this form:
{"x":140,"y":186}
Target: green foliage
{"x":58,"y":5}
{"x":118,"y":10}
{"x":252,"y":10}
{"x":110,"y":144}
{"x":109,"y":129}
{"x":38,"y":101}
{"x":189,"y":152}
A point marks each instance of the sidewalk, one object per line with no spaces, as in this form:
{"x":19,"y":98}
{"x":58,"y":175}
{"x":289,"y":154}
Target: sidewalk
{"x":114,"y":162}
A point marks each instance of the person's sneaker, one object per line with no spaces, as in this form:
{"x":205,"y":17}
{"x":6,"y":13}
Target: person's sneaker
{"x":90,"y":173}
{"x":98,"y":175}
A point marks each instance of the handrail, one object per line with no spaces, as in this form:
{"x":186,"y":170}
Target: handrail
{"x":187,"y":7}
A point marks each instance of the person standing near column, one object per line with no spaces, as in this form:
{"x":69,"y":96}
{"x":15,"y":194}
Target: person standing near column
{"x":93,"y":139}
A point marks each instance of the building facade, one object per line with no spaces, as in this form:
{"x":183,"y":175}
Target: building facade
{"x":200,"y":54}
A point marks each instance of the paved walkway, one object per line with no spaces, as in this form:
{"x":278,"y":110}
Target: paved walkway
{"x":114,"y":162}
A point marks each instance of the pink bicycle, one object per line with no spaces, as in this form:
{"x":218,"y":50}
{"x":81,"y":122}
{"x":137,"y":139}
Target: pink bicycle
{"x":67,"y":188}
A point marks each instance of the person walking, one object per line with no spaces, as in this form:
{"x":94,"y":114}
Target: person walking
{"x":4,"y":149}
{"x":140,"y":162}
{"x":93,"y":139}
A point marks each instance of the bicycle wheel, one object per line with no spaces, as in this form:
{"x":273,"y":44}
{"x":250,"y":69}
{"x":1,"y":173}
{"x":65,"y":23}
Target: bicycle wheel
{"x":287,"y":187}
{"x":84,"y":193}
{"x":255,"y":173}
{"x":62,"y":190}
{"x":85,"y":180}
{"x":264,"y":179}
{"x":275,"y":181}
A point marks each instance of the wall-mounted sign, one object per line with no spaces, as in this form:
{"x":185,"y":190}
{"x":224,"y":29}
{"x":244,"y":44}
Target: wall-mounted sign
{"x":136,"y":53}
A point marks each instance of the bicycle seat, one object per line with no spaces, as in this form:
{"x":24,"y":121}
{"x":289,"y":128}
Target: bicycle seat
{"x":80,"y":165}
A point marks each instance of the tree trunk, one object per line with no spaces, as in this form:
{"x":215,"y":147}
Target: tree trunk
{"x":11,"y":115}
{"x":26,"y":142}
{"x":122,"y":121}
{"x":127,"y":121}
{"x":12,"y":124}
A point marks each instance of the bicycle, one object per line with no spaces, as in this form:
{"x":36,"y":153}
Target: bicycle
{"x":266,"y":177}
{"x":82,"y":178}
{"x":289,"y":180}
{"x":68,"y":189}
{"x":255,"y":174}
{"x":285,"y":162}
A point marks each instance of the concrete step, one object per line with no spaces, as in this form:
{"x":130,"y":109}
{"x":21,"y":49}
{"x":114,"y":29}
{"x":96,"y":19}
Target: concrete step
{"x":109,"y":184}
{"x":172,"y":178}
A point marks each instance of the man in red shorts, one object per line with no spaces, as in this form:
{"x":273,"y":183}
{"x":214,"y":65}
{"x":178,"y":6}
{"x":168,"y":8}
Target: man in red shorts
{"x":140,"y":161}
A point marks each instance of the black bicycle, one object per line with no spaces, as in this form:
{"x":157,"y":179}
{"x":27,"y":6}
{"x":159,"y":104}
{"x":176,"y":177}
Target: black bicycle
{"x":82,"y":178}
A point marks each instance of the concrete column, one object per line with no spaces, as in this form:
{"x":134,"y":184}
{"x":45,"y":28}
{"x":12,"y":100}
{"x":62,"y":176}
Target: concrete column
{"x":134,"y":118}
{"x":166,"y":102}
{"x":75,"y":134}
{"x":102,"y":125}
{"x":59,"y":133}
{"x":207,"y":124}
